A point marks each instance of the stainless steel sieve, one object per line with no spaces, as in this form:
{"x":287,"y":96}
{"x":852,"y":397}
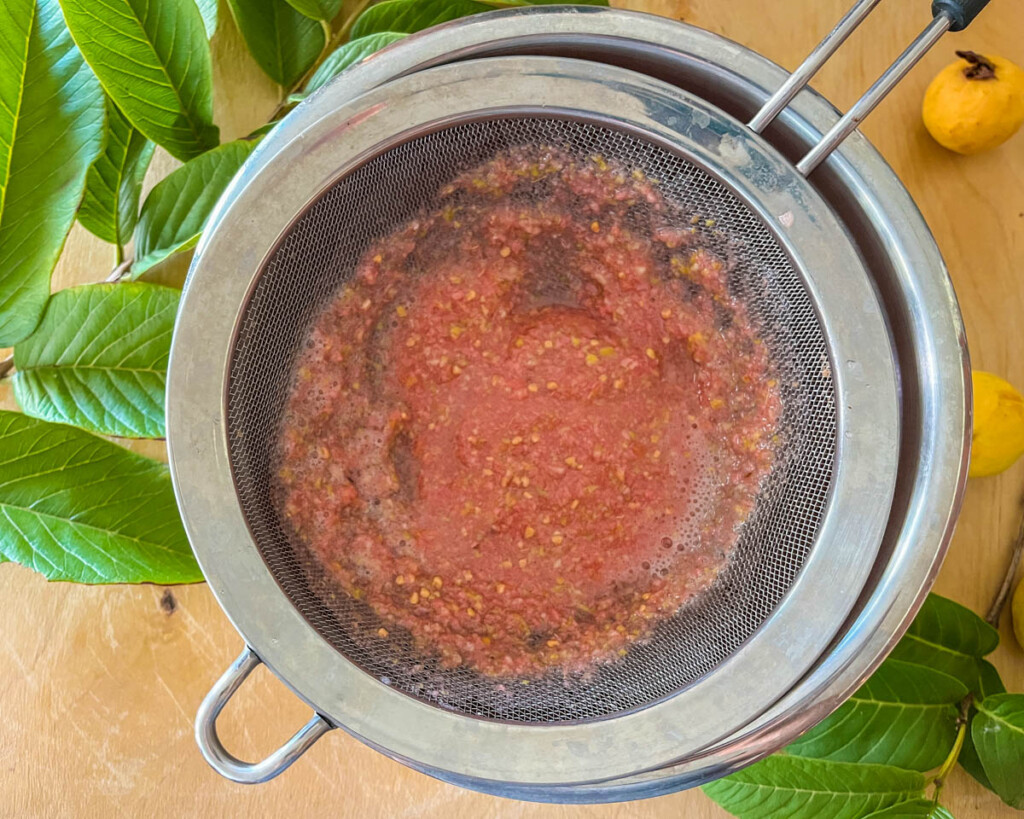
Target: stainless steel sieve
{"x":344,"y":170}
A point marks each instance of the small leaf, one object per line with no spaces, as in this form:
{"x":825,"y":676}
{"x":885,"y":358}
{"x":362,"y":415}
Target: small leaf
{"x":317,"y":9}
{"x":99,"y":359}
{"x":812,"y":788}
{"x":916,"y":809}
{"x":77,"y":507}
{"x":208,"y":9}
{"x":283,"y":42}
{"x":51,"y":129}
{"x":177,"y":208}
{"x":110,"y":207}
{"x":409,"y":16}
{"x":990,"y":682}
{"x":352,"y":52}
{"x":949,"y":638}
{"x":904,"y":715}
{"x":998,"y":734}
{"x":969,"y":761}
{"x":154,"y":61}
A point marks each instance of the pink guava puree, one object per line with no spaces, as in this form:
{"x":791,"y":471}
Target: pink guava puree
{"x":531,"y":424}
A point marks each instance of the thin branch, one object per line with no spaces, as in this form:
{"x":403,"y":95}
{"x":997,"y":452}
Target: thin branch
{"x":996,"y":610}
{"x":6,"y":365}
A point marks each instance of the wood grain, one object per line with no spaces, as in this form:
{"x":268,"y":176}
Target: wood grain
{"x":99,"y":686}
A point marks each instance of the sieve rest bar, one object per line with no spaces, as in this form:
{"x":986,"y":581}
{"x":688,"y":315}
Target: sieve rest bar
{"x":810,"y":66}
{"x":849,"y":122}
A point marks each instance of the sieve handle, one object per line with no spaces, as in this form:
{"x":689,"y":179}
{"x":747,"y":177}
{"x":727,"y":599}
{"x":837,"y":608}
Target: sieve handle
{"x":225,"y":763}
{"x":947,"y":15}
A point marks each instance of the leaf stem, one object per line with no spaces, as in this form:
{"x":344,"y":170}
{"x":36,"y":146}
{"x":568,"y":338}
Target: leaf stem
{"x":6,"y":365}
{"x":118,"y":253}
{"x":119,"y":272}
{"x":996,"y":610}
{"x":954,"y":752}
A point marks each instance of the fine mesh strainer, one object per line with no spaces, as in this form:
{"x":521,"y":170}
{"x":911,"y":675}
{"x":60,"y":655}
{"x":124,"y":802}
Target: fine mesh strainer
{"x":316,"y":257}
{"x":288,"y":237}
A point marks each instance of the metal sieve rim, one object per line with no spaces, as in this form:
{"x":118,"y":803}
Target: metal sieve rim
{"x":711,"y":708}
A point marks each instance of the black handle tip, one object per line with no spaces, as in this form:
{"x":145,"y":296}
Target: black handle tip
{"x":961,"y":12}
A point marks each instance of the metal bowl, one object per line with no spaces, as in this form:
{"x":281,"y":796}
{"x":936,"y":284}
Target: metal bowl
{"x":926,"y":336}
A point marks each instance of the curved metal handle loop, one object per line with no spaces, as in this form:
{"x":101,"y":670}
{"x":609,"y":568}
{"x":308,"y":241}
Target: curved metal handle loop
{"x":225,"y":763}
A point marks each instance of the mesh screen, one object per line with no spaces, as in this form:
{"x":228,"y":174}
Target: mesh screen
{"x":317,"y":255}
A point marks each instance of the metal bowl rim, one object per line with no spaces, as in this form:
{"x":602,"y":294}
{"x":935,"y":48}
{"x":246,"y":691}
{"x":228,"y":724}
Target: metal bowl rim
{"x":938,"y":487}
{"x":786,"y":644}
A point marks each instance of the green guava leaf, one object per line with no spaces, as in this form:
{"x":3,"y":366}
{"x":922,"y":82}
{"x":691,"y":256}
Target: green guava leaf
{"x":998,"y":733}
{"x":110,"y":207}
{"x":415,"y":15}
{"x":352,"y":52}
{"x":76,"y":507}
{"x":317,"y":9}
{"x":177,"y":208}
{"x":283,"y":42}
{"x":904,"y":715}
{"x":990,"y":684}
{"x":916,"y":809}
{"x":800,"y":788}
{"x":989,"y":680}
{"x":99,"y":359}
{"x":969,"y":761}
{"x":408,"y":16}
{"x":949,"y":638}
{"x":51,"y":129}
{"x":154,"y":62}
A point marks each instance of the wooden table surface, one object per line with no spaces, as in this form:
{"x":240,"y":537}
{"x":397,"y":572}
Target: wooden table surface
{"x":99,"y":686}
